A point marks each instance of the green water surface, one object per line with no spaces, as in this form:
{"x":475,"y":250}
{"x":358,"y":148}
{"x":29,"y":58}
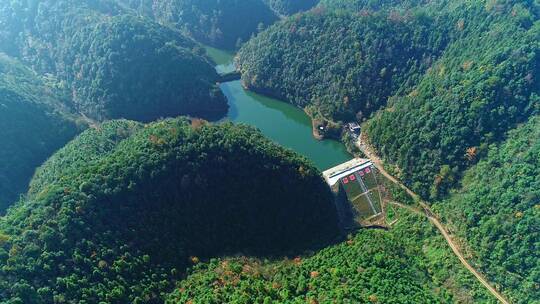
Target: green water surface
{"x":223,"y":59}
{"x":285,"y":124}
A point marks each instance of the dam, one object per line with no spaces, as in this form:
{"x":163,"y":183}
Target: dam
{"x":358,"y":191}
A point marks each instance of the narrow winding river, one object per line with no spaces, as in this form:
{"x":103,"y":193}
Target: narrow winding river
{"x":278,"y":120}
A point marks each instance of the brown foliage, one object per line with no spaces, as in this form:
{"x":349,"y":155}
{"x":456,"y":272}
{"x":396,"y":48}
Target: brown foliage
{"x":471,"y":153}
{"x":197,"y":123}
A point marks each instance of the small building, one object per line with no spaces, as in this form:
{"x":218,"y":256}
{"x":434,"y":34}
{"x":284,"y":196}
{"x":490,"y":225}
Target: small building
{"x":333,"y":175}
{"x":354,"y":128}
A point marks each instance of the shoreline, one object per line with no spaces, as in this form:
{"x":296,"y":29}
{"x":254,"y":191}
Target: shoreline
{"x":268,"y":93}
{"x":314,"y":129}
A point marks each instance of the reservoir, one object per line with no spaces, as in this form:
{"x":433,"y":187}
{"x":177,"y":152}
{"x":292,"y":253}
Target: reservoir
{"x":285,"y":124}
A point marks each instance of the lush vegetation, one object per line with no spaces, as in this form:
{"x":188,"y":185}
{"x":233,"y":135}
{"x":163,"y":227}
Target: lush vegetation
{"x":409,"y":264}
{"x":355,"y":62}
{"x":88,"y":147}
{"x":469,"y":74}
{"x":220,"y":23}
{"x":182,"y":211}
{"x":113,"y":63}
{"x":497,"y":211}
{"x":33,"y":124}
{"x":451,"y":77}
{"x":289,"y":7}
{"x":120,"y":212}
{"x":372,"y":5}
{"x":485,"y":82}
{"x":98,"y":59}
{"x":359,"y":271}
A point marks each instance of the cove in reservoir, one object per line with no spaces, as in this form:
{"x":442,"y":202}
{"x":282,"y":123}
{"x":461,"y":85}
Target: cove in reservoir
{"x":283,"y":123}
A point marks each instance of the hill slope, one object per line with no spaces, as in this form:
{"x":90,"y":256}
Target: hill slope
{"x":452,"y":77}
{"x":356,"y":273}
{"x":289,"y":7}
{"x":497,"y":210}
{"x":371,"y":5}
{"x":410,"y":263}
{"x":219,"y":23}
{"x":33,"y":124}
{"x":486,"y":82}
{"x":120,"y":227}
{"x":355,"y":62}
{"x":113,"y":63}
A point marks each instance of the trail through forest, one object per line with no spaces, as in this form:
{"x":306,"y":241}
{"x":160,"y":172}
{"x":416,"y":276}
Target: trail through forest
{"x":369,"y":152}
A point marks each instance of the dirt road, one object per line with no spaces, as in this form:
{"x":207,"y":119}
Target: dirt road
{"x":432,"y":218}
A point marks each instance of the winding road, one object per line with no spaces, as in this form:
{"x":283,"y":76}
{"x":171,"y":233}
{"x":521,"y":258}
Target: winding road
{"x":368,"y":151}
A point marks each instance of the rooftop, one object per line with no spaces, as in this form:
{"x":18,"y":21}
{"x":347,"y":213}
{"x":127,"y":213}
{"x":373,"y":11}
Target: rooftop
{"x":334,"y":174}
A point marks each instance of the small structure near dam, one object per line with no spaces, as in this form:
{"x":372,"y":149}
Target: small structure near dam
{"x":358,"y":191}
{"x":230,"y":76}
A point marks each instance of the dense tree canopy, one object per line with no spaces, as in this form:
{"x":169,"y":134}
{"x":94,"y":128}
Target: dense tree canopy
{"x":33,"y":124}
{"x":437,"y":119}
{"x":486,"y":81}
{"x":289,"y":7}
{"x":113,"y":63}
{"x":448,"y":91}
{"x":451,"y":77}
{"x":372,"y":5}
{"x":116,"y":214}
{"x":351,"y":272}
{"x":497,"y":210}
{"x":219,"y":23}
{"x":410,"y":263}
{"x":342,"y":64}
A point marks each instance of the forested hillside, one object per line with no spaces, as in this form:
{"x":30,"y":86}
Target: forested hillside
{"x":120,"y":212}
{"x":179,"y":210}
{"x":373,"y":5}
{"x":219,"y":23}
{"x":88,"y":147}
{"x":33,"y":124}
{"x":497,"y":210}
{"x":289,"y":7}
{"x":360,"y":271}
{"x":410,"y":263}
{"x":473,"y":76}
{"x":453,"y":77}
{"x":354,"y":62}
{"x":113,"y":63}
{"x":485,"y":82}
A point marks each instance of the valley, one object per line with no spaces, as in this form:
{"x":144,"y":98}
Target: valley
{"x":287,"y":125}
{"x":269,"y":151}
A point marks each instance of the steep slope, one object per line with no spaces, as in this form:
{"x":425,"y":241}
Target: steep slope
{"x":289,"y":7}
{"x":372,"y":5}
{"x":453,"y":77}
{"x":115,"y":65}
{"x":497,"y":211}
{"x":33,"y":124}
{"x":484,"y":84}
{"x":119,"y":224}
{"x":408,"y":264}
{"x":356,"y":273}
{"x":219,"y":23}
{"x":342,"y":65}
{"x":89,"y":147}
